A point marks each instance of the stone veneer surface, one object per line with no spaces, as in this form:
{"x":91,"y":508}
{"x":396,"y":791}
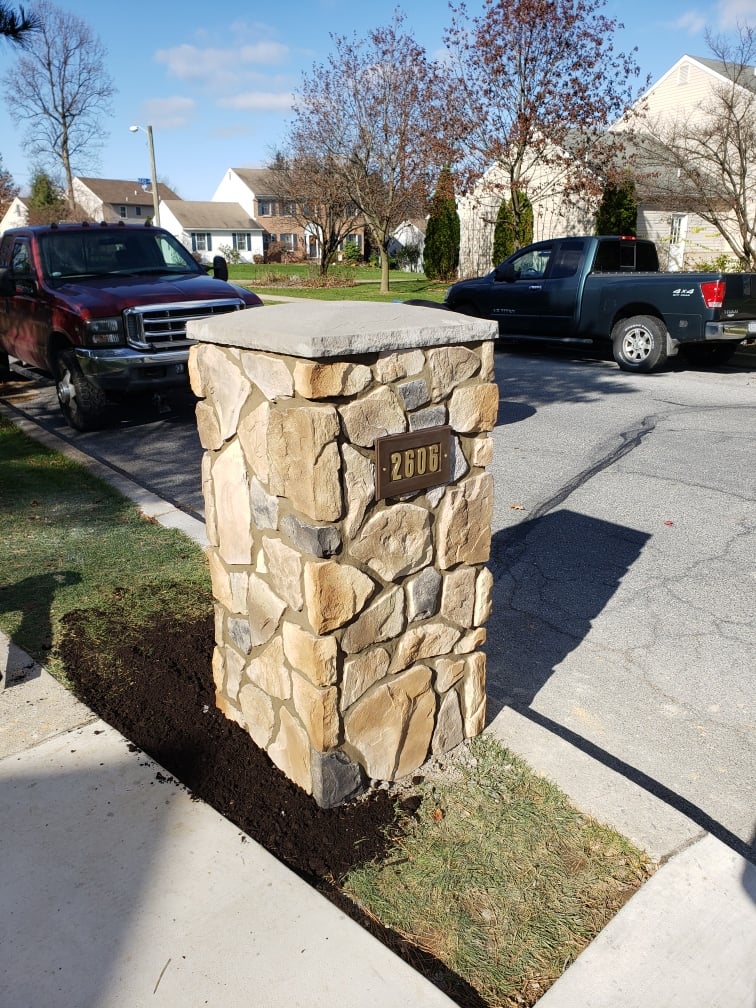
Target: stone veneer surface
{"x":347,"y":628}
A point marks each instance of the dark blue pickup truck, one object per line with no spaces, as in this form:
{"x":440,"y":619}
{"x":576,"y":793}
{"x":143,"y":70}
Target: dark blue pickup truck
{"x":584,"y":290}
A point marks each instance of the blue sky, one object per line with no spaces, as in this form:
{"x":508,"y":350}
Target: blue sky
{"x":215,"y":81}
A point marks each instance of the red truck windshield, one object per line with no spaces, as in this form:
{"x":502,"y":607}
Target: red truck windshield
{"x":106,"y":252}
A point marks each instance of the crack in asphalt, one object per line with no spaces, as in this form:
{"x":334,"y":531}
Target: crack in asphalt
{"x":513,"y":537}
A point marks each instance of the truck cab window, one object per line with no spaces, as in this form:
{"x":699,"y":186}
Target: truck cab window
{"x":533,"y":263}
{"x":21,"y":260}
{"x":567,"y":260}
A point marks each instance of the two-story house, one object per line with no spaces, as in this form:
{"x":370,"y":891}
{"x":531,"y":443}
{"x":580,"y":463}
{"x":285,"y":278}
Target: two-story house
{"x":99,"y":200}
{"x":255,"y":190}
{"x":118,"y":199}
{"x":684,"y":95}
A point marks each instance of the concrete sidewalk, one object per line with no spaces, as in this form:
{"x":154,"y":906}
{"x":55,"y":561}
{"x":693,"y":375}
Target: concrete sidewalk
{"x":116,"y":889}
{"x":119,"y":890}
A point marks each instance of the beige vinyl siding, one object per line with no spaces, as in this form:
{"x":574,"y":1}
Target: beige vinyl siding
{"x":671,"y":98}
{"x":702,"y":241}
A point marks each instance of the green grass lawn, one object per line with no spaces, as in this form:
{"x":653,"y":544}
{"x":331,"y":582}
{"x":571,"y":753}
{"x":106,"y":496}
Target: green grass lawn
{"x":71,"y":542}
{"x":348,"y":283}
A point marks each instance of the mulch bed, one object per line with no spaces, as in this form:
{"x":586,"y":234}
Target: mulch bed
{"x":163,"y":701}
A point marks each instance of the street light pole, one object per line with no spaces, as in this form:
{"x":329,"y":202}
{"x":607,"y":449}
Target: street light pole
{"x":151,"y":145}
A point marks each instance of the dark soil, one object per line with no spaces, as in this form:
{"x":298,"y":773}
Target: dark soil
{"x":161,"y":697}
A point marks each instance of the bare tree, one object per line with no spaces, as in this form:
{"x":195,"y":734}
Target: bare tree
{"x":60,"y":91}
{"x":373,"y":114}
{"x":315,"y":198}
{"x":537,"y":83}
{"x":17,"y":26}
{"x":704,"y":161}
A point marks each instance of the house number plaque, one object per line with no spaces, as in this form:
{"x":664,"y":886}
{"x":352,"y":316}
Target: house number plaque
{"x":415,"y":461}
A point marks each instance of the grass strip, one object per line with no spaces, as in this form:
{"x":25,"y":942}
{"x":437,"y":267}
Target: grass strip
{"x":71,"y":542}
{"x":499,"y":876}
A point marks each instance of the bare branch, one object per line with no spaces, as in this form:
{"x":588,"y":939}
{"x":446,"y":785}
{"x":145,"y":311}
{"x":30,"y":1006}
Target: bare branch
{"x":702,"y":161}
{"x":375,"y":115}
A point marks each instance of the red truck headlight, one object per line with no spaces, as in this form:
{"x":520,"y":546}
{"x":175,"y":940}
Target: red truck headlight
{"x":104,"y":332}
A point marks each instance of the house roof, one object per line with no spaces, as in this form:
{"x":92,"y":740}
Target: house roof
{"x":211,"y":216}
{"x":258,"y":180}
{"x":743,"y":75}
{"x":125,"y":191}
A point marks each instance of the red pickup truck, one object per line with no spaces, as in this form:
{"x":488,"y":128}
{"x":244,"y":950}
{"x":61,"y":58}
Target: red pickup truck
{"x":103,"y":308}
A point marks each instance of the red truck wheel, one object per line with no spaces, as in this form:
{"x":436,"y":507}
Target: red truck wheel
{"x":81,"y":403}
{"x":639,"y":343}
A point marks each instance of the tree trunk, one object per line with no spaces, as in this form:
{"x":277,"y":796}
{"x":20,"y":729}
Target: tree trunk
{"x":384,"y":257}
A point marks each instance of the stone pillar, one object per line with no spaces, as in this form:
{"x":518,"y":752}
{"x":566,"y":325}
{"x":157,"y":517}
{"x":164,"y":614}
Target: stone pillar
{"x":348,"y":624}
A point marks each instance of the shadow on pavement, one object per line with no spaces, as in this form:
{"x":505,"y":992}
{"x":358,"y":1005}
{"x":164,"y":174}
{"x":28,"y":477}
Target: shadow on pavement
{"x":553,"y":576}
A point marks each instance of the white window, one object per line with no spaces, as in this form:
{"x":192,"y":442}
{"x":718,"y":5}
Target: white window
{"x":202,"y":241}
{"x":354,"y":239}
{"x":289,"y":240}
{"x":242,"y":241}
{"x":288,"y":208}
{"x":264,"y":208}
{"x":677,"y":228}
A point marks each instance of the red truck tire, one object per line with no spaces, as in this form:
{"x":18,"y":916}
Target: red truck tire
{"x":83,"y":404}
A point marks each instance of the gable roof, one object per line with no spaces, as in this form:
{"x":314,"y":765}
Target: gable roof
{"x":124,"y":191}
{"x":211,"y":216}
{"x":743,"y":75}
{"x":258,"y":180}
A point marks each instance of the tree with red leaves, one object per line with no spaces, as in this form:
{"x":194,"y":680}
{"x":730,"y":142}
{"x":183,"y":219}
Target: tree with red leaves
{"x":537,"y":83}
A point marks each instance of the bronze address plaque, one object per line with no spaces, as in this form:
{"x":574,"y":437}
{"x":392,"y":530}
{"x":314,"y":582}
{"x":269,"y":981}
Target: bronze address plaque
{"x":408,"y":462}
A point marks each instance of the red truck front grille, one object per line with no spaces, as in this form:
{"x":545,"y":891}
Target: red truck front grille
{"x":163,"y":327}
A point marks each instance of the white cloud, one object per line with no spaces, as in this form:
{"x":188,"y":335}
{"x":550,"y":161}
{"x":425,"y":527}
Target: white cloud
{"x":730,"y":12}
{"x":214,"y":65}
{"x":727,"y":15}
{"x":259,"y":101}
{"x":692,"y":22}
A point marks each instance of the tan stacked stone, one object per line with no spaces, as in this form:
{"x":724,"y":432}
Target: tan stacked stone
{"x":347,"y":628}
